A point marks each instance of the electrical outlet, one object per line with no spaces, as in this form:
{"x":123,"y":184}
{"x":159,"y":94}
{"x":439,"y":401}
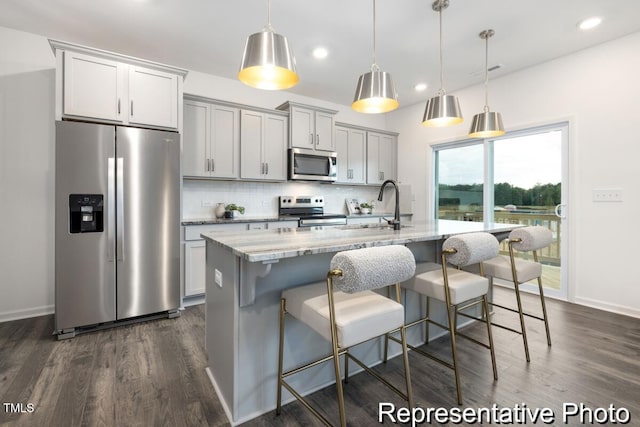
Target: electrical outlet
{"x":207,"y":203}
{"x":218,"y":277}
{"x":607,"y":194}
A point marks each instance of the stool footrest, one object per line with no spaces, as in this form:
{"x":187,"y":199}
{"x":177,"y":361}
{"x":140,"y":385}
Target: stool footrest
{"x":506,"y":328}
{"x":311,"y":364}
{"x":515,"y":310}
{"x":424,"y":353}
{"x":305,"y":403}
{"x":378,"y":377}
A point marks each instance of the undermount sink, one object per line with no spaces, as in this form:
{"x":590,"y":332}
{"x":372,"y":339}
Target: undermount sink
{"x":378,"y":226}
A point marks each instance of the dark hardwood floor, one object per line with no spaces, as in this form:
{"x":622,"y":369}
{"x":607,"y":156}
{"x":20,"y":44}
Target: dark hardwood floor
{"x":152,"y":373}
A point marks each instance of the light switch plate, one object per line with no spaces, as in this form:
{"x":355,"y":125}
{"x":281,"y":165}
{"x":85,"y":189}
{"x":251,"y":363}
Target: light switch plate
{"x":218,"y":277}
{"x":607,"y":194}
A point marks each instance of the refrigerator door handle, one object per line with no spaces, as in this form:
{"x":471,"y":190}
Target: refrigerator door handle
{"x":120,"y":208}
{"x":111,"y":208}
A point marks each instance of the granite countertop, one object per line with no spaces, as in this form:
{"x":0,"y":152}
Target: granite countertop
{"x":240,"y":220}
{"x":269,"y":245}
{"x":247,"y":219}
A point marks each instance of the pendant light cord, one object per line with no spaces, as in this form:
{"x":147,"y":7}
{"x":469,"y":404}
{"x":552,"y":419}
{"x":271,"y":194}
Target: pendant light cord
{"x":268,"y":27}
{"x":486,"y":75}
{"x":441,"y":92}
{"x":374,"y":65}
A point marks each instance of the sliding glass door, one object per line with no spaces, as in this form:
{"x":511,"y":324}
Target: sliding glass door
{"x":519,"y":178}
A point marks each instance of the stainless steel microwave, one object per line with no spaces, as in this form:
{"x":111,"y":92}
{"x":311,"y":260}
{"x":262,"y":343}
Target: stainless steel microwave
{"x":309,"y":165}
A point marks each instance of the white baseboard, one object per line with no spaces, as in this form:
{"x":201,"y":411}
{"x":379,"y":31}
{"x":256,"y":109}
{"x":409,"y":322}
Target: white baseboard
{"x":614,"y":308}
{"x":26,"y":313}
{"x":193,"y":300}
{"x":223,"y":402}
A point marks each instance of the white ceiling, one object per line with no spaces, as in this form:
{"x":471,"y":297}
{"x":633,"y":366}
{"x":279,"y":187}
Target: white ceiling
{"x":209,"y":35}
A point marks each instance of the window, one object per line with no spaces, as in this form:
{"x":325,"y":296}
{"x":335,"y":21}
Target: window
{"x":519,"y":178}
{"x":459,"y":178}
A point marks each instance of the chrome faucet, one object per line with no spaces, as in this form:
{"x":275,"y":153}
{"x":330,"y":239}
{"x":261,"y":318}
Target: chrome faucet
{"x":396,"y":217}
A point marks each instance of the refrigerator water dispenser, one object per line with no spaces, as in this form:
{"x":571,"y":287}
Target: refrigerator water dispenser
{"x":86,"y":213}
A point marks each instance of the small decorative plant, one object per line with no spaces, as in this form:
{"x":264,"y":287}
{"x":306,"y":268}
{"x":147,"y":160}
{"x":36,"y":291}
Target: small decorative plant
{"x":231,"y":209}
{"x":366,"y":208}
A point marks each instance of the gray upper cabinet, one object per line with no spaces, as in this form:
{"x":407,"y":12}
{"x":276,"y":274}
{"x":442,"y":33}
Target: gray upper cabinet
{"x":351,"y":150}
{"x":381,"y":157}
{"x":108,"y":87}
{"x":263,"y":146}
{"x":211,"y":140}
{"x":310,"y":127}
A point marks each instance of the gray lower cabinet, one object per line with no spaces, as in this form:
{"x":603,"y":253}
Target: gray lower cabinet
{"x":194,"y":247}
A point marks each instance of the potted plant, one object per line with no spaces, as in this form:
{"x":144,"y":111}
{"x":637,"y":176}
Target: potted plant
{"x":232,"y":210}
{"x":366,"y":208}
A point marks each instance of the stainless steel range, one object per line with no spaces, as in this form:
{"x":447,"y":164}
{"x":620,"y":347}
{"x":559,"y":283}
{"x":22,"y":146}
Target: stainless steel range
{"x":310,"y":211}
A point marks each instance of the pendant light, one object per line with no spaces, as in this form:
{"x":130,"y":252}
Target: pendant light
{"x":268,"y":61}
{"x":375,"y":92}
{"x":486,"y":124}
{"x":443,"y":109}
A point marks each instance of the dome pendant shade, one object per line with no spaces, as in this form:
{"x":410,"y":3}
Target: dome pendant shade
{"x":268,"y":62}
{"x":442,"y":110}
{"x":486,"y":125}
{"x":375,"y":93}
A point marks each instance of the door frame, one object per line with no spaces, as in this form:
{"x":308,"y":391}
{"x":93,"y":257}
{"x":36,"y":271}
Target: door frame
{"x":566,"y":127}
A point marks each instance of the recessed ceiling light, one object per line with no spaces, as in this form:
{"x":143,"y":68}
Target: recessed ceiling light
{"x":320,"y":52}
{"x":589,"y":23}
{"x":420,"y":87}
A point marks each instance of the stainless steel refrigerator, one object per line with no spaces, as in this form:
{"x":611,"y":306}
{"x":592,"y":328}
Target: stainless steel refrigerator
{"x":117,"y":244}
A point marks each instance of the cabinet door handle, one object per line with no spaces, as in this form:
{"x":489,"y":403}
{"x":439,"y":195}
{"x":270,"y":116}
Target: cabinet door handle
{"x":131,"y":113}
{"x":310,"y":138}
{"x":317,"y":139}
{"x":213,"y":165}
{"x":118,"y":106}
{"x":266,"y":169}
{"x":206,"y":165}
{"x":261,"y":168}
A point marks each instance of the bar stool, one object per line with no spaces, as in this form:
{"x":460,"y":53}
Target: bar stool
{"x":518,"y":271}
{"x":455,"y":287}
{"x":345,"y":311}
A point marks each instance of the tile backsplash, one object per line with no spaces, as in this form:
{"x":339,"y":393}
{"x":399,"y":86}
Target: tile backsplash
{"x":261,"y":198}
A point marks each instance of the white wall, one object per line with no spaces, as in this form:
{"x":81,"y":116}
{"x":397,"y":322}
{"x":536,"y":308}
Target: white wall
{"x":604,"y":152}
{"x":597,"y":90}
{"x":194,"y":192}
{"x":27,"y":137}
{"x":234,"y":91}
{"x":26,"y":175}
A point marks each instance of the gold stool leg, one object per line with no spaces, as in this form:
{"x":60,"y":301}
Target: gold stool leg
{"x":544,"y":312}
{"x":280,"y":354}
{"x":386,"y":336}
{"x":427,"y":302}
{"x":454,"y":353}
{"x":485,"y":306}
{"x":523,"y":328}
{"x":407,"y":372}
{"x":346,"y":367}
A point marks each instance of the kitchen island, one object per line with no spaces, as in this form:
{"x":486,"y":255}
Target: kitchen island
{"x":245,"y":274}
